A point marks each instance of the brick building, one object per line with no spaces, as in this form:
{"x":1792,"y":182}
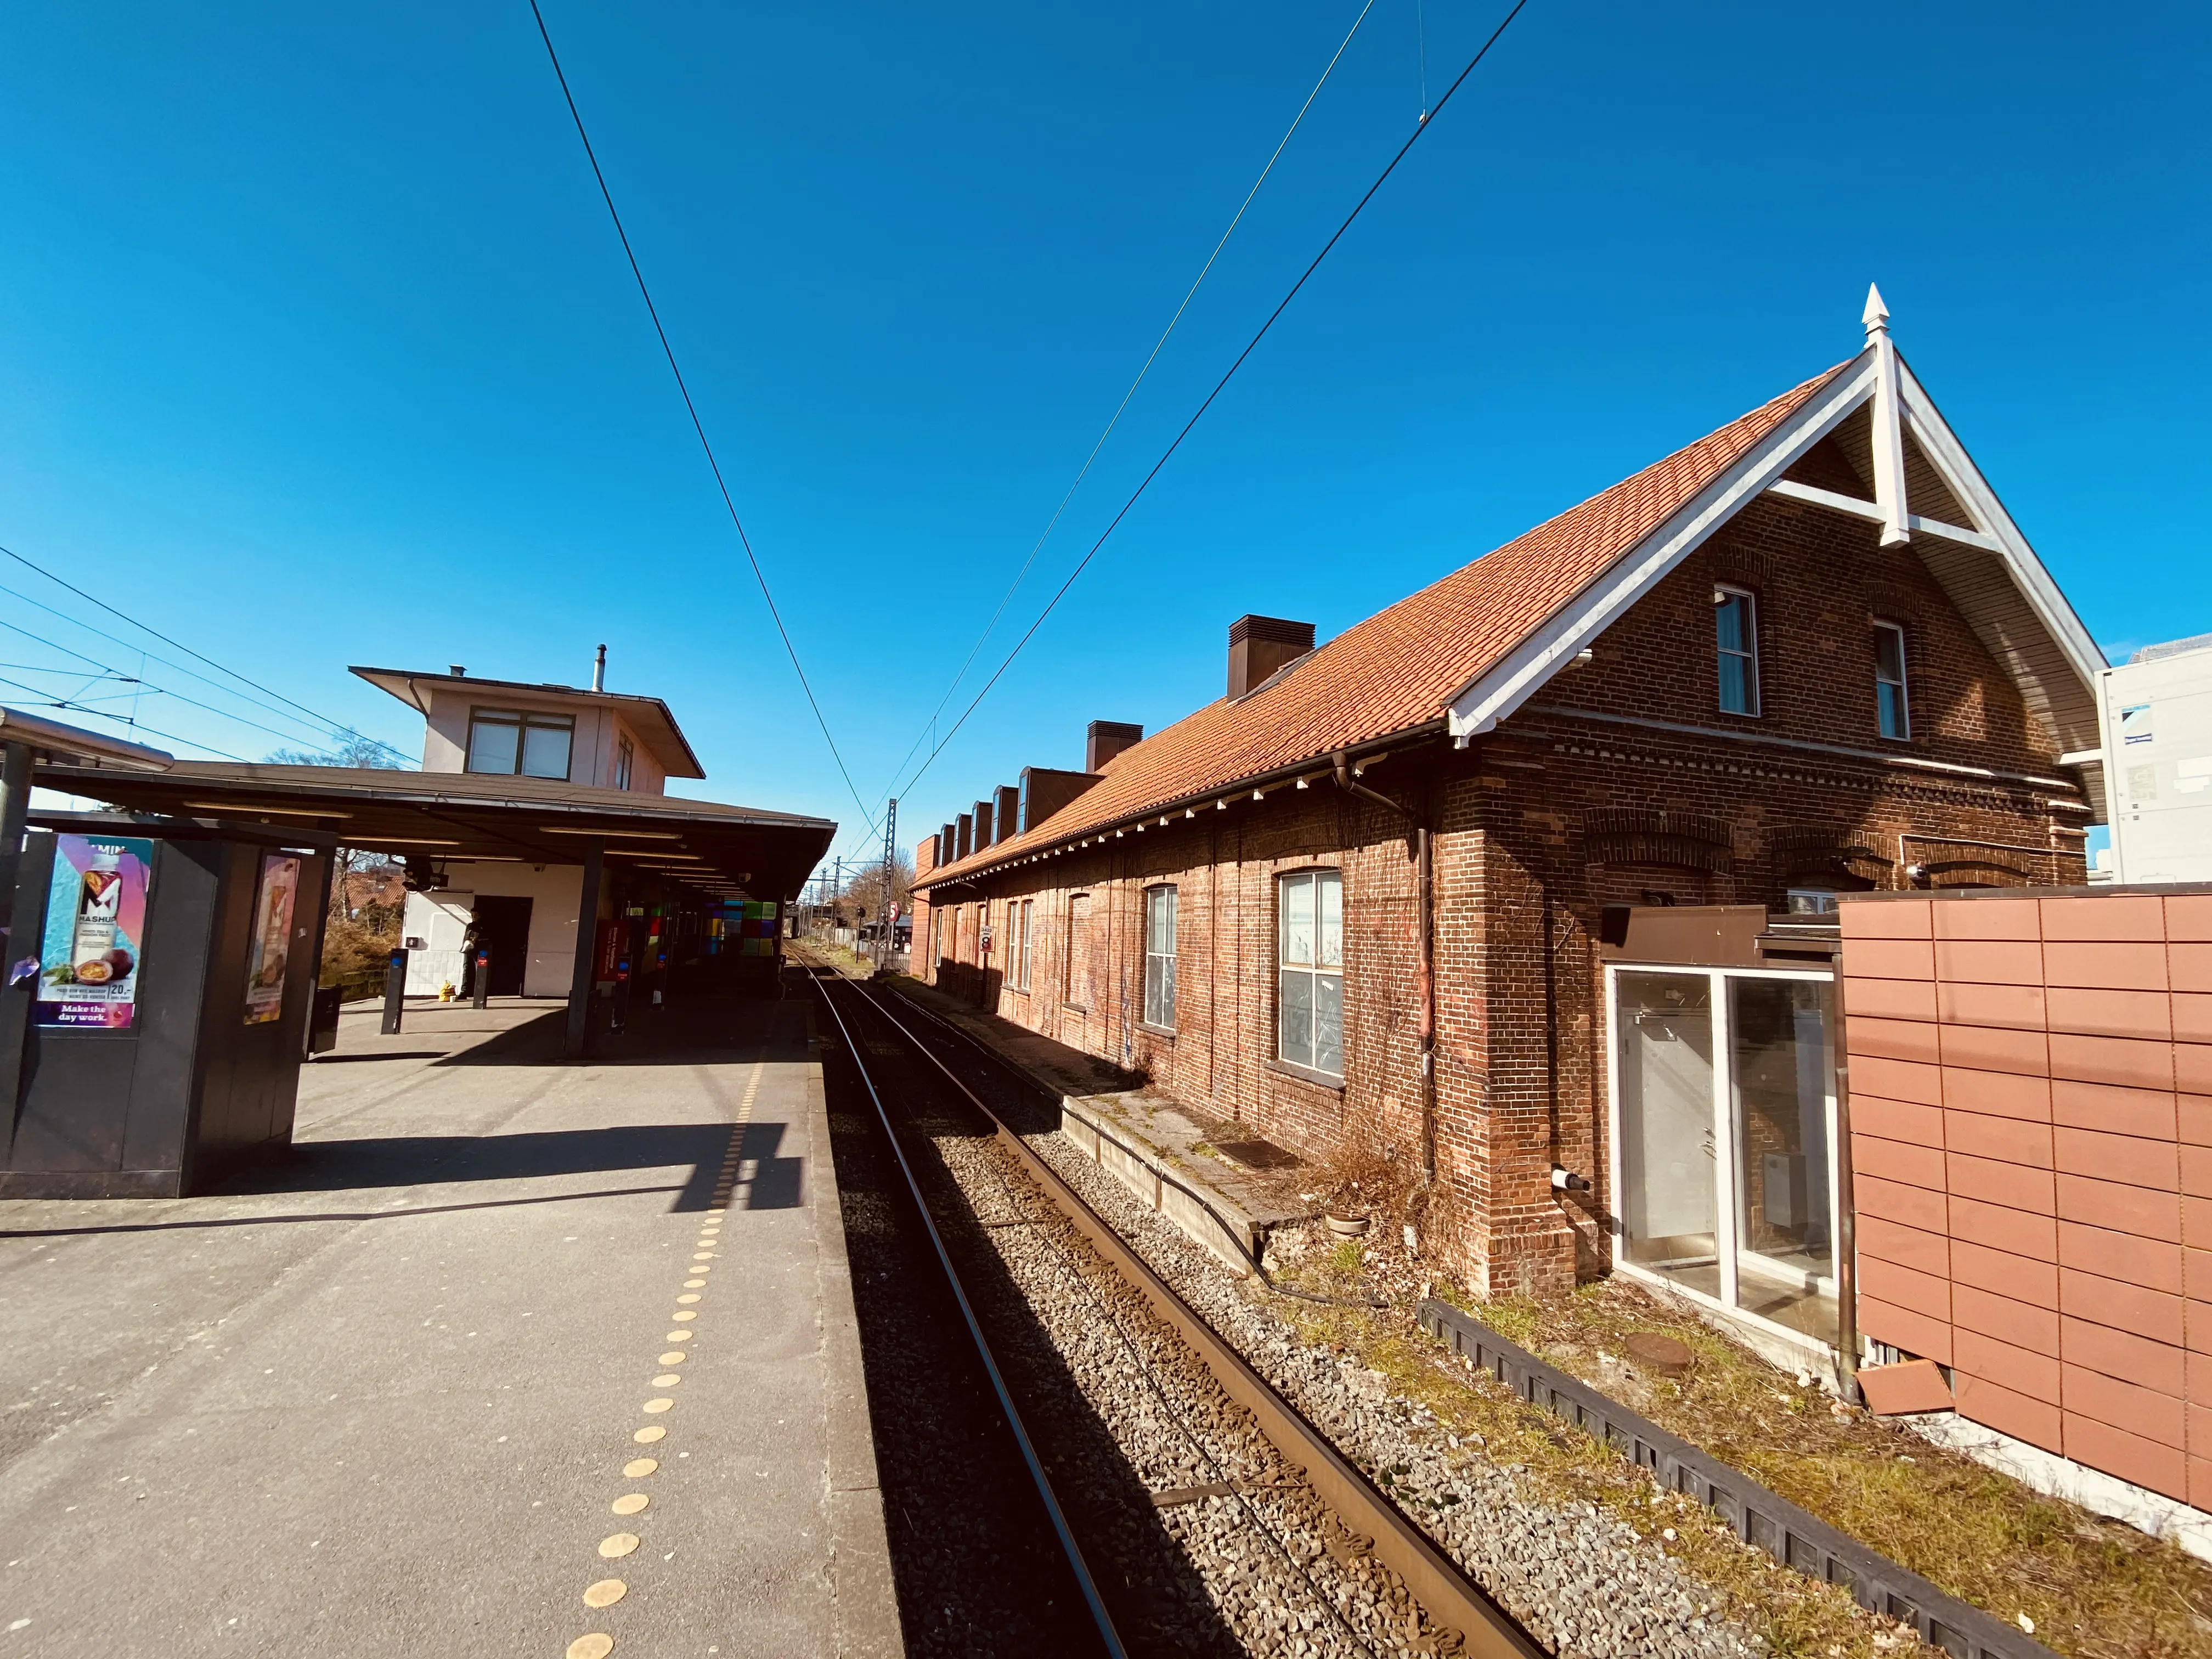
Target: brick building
{"x":1364,"y":897}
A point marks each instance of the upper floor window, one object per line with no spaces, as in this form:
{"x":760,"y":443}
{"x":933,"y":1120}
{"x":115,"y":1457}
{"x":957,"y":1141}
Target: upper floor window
{"x":625,"y":757}
{"x":1160,"y":957}
{"x":1309,"y":936}
{"x":1735,"y":636}
{"x":531,"y":744}
{"x":1890,"y":706}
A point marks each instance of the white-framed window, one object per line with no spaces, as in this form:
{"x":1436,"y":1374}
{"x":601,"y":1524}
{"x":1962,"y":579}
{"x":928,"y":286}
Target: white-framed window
{"x":1160,"y":957}
{"x":625,"y":757}
{"x":512,"y":742}
{"x":1023,"y":922}
{"x":1310,"y":971}
{"x":1735,"y":641}
{"x":1891,"y":709}
{"x":1723,"y":1110}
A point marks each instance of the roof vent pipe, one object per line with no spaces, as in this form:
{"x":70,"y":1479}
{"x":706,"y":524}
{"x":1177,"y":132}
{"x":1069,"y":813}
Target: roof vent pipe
{"x":599,"y":671}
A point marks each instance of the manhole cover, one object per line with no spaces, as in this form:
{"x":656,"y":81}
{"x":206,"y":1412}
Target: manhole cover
{"x":1667,"y":1355}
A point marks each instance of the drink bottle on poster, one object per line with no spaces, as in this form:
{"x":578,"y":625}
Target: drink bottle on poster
{"x":88,"y":958}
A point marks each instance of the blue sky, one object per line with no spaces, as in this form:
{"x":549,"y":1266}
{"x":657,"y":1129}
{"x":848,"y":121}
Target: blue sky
{"x":316,"y":347}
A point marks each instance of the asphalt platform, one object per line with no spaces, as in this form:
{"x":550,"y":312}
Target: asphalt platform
{"x":506,"y":1357}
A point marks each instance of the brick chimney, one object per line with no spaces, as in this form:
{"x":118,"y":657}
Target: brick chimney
{"x":1107,"y":739}
{"x":1260,"y":647}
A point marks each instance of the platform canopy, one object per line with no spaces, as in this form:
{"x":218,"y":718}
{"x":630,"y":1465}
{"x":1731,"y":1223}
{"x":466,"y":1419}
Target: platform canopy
{"x":431,"y":817}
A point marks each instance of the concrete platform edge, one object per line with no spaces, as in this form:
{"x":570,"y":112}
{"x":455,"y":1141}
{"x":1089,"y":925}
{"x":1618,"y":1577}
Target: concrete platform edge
{"x":866,"y":1600}
{"x":1210,"y":1219}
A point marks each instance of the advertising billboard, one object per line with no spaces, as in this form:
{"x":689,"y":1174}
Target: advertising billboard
{"x":90,"y":959}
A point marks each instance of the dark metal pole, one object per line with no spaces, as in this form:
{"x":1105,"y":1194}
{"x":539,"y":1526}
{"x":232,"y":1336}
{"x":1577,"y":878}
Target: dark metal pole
{"x":578,"y":1037}
{"x":483,"y":996}
{"x":14,"y":806}
{"x":395,"y":991}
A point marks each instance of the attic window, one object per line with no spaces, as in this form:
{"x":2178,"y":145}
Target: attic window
{"x":625,"y":757}
{"x":1735,"y":639}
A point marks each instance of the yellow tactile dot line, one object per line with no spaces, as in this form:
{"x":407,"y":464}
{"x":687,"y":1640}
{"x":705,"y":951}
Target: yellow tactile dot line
{"x":608,"y":1591}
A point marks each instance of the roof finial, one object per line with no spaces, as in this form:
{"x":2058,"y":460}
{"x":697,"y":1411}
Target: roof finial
{"x":1876,"y":316}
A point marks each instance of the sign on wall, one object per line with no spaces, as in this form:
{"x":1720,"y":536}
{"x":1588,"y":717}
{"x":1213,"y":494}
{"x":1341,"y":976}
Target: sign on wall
{"x":90,"y":959}
{"x":270,"y":953}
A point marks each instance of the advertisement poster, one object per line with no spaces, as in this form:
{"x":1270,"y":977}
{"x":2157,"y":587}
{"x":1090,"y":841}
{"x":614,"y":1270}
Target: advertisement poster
{"x":95,"y":919}
{"x":272,"y":950}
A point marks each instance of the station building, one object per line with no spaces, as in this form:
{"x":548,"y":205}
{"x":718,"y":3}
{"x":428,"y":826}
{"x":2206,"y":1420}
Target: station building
{"x":526,"y":912}
{"x":1529,"y":879}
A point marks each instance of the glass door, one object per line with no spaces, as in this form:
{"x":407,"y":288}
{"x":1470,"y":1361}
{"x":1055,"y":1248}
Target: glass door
{"x":1783,"y":1089}
{"x":1669,"y":1174}
{"x":1724,"y":1135}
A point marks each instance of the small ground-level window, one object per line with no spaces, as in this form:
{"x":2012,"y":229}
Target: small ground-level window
{"x":1890,"y":706}
{"x":1160,"y":957}
{"x":1309,"y":935}
{"x":1736,"y":640}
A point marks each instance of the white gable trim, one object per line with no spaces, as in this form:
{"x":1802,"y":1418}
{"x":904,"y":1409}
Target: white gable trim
{"x":1513,"y":681}
{"x":1483,"y":703}
{"x":1965,"y":481}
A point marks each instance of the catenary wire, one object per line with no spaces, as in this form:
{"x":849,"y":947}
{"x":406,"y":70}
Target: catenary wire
{"x":692,"y":410}
{"x":1250,"y":346}
{"x":1121,"y":408}
{"x":49,"y":700}
{"x":143,"y":684}
{"x":322,"y":719}
{"x":148,"y":656}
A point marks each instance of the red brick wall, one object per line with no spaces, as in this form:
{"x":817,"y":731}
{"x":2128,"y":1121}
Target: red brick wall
{"x":1538,"y":825}
{"x":2031,"y":1087}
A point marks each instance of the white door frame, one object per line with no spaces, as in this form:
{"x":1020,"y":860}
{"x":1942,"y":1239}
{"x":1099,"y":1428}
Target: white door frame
{"x":1727,"y":1178}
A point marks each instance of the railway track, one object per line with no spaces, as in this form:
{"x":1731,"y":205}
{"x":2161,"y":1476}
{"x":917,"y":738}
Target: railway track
{"x":1198,"y":1511}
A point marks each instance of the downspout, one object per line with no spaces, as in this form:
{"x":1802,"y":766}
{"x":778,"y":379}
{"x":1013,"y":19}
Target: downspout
{"x":1424,"y":978}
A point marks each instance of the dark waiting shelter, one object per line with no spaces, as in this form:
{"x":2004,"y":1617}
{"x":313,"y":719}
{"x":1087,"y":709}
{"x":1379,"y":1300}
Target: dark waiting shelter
{"x":161,"y":993}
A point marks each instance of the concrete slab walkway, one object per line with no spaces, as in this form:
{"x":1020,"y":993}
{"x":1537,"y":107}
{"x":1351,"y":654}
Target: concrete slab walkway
{"x":485,"y":1340}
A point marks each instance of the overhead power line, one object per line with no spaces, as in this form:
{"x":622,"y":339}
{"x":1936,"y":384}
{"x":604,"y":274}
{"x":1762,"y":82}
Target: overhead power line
{"x":692,"y":410}
{"x":1121,"y":408}
{"x":337,"y":726}
{"x":48,"y":700}
{"x":141,"y":683}
{"x":1250,"y":346}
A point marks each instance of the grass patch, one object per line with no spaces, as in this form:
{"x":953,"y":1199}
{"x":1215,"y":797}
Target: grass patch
{"x":2092,"y":1588}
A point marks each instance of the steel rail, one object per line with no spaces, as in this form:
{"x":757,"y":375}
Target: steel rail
{"x":1452,"y":1599}
{"x":1100,"y":1617}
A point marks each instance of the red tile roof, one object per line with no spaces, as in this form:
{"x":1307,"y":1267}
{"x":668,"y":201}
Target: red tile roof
{"x":1401,"y":668}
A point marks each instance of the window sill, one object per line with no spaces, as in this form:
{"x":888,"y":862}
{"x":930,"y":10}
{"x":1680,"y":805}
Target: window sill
{"x":1151,"y":1029}
{"x":1307,"y":1075}
{"x":1075,"y":1008}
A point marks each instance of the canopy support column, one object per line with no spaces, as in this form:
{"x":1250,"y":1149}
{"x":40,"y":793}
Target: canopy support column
{"x":578,"y":1038}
